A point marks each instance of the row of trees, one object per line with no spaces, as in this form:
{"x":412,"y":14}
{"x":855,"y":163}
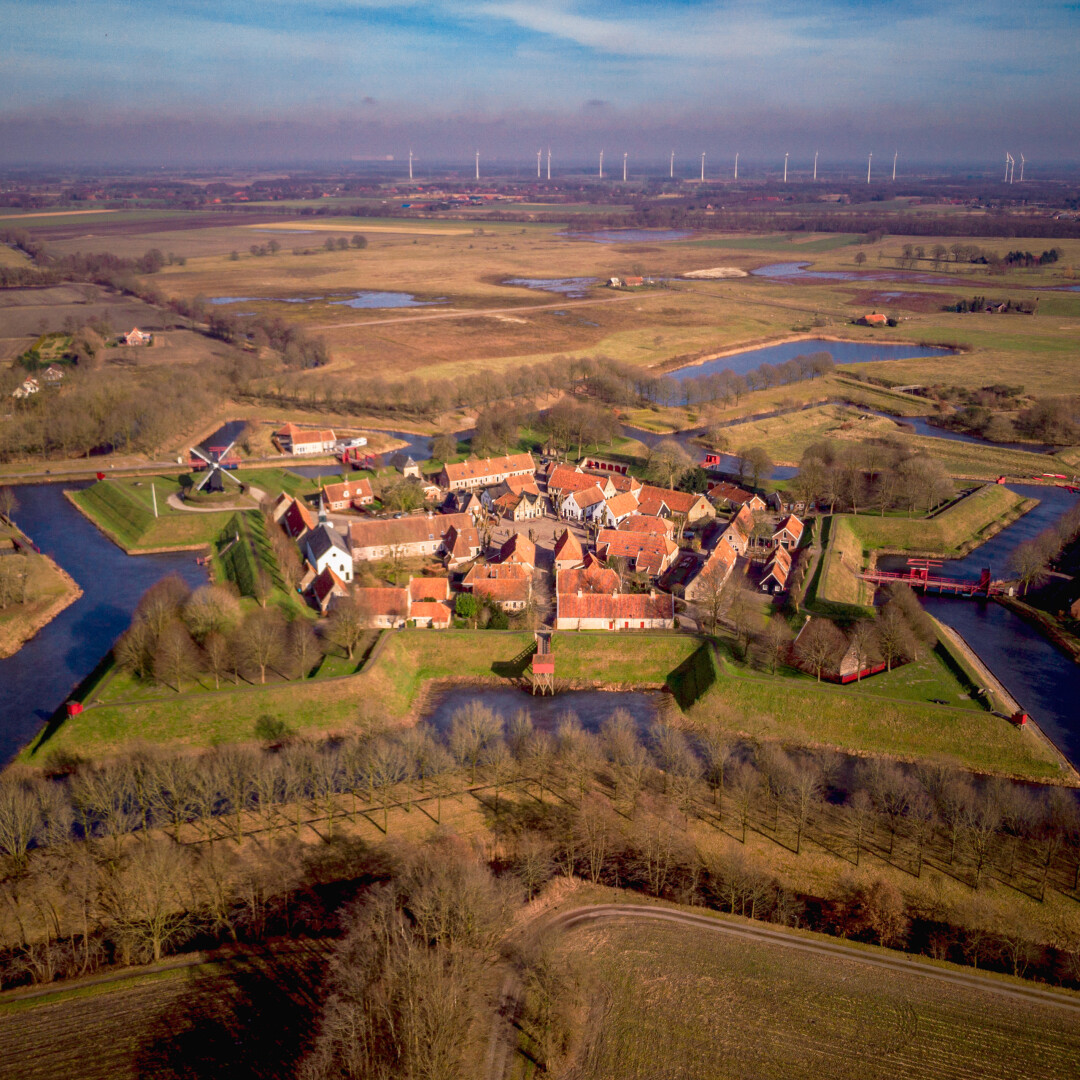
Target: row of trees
{"x":129,"y":860}
{"x":1031,"y":560}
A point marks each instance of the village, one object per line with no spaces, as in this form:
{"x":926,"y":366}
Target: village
{"x":566,"y":546}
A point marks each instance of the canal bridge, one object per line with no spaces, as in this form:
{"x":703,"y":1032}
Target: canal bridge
{"x":923,"y":574}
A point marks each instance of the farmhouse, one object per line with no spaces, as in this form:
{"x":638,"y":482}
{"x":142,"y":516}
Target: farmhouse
{"x":352,"y":493}
{"x":482,"y":472}
{"x":135,"y":336}
{"x":295,"y":440}
{"x":53,"y":375}
{"x":507,"y":584}
{"x":417,"y":534}
{"x":873,"y":320}
{"x":26,"y":388}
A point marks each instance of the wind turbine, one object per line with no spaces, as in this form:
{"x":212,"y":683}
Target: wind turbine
{"x":703,"y":168}
{"x":785,"y":168}
{"x":671,"y":172}
{"x":624,"y":167}
{"x":410,"y":164}
{"x":1021,"y":168}
{"x":869,"y":162}
{"x":815,"y":164}
{"x":538,"y":153}
{"x":601,"y":164}
{"x":549,"y":163}
{"x":1007,"y":157}
{"x":477,"y":164}
{"x":736,"y":164}
{"x":896,"y":154}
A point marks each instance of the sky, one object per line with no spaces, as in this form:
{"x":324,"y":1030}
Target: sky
{"x":174,"y":81}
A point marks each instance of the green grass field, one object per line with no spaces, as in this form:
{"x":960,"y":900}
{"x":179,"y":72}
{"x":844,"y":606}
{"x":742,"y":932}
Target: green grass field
{"x":682,"y":1002}
{"x":888,"y":714}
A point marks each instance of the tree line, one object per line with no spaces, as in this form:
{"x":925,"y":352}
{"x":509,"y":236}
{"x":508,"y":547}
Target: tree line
{"x":1031,"y":560}
{"x":130,"y":860}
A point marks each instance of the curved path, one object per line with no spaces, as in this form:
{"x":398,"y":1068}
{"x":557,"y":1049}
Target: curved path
{"x":504,"y":1033}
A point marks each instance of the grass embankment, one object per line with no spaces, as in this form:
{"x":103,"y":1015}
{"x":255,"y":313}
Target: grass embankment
{"x":48,"y":591}
{"x":386,"y":691}
{"x":123,"y":510}
{"x":958,"y":529}
{"x":688,"y":1002}
{"x":890,"y":714}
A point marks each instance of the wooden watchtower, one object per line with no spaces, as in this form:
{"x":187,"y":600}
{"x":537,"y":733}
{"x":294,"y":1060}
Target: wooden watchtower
{"x":543,"y":667}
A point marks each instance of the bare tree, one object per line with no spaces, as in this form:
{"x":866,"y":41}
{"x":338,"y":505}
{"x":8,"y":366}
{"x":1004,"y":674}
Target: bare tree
{"x":820,"y":646}
{"x":260,"y":642}
{"x":865,"y":645}
{"x":302,"y":646}
{"x":175,"y":658}
{"x":804,"y":791}
{"x":776,"y":639}
{"x":8,"y":503}
{"x":347,"y":625}
{"x":211,"y":609}
{"x":668,"y":463}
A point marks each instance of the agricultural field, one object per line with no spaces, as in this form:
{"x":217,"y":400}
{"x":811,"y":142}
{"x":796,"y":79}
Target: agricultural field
{"x":686,"y":1002}
{"x":247,"y":1016}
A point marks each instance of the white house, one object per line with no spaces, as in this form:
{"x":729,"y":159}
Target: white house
{"x":326,"y":547}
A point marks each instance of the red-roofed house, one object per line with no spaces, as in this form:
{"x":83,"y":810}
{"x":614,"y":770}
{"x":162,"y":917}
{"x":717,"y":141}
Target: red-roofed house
{"x":592,"y":577}
{"x":646,"y":524}
{"x":429,"y":602}
{"x":777,"y":571}
{"x":295,"y":440}
{"x":507,"y":584}
{"x":324,"y":589}
{"x":587,"y":504}
{"x":482,"y":472}
{"x":564,"y":479}
{"x":568,"y":554}
{"x":382,"y":606}
{"x":715,"y":570}
{"x":352,"y":493}
{"x":788,"y":533}
{"x":614,"y":611}
{"x":647,"y":553}
{"x":873,"y":320}
{"x":135,"y":336}
{"x":724,"y":492}
{"x":618,"y":508}
{"x":297,"y":519}
{"x":519,"y":549}
{"x":665,"y":502}
{"x":412,"y":535}
{"x":461,"y":544}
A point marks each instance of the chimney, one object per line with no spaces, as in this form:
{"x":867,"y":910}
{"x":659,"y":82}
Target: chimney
{"x":579,"y":594}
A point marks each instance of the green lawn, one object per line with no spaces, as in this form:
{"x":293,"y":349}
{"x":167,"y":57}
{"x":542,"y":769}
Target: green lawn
{"x":624,"y":659}
{"x":887,"y":714}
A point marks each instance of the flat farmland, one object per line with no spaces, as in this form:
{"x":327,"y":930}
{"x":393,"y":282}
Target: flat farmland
{"x":678,"y":1001}
{"x":247,"y":1016}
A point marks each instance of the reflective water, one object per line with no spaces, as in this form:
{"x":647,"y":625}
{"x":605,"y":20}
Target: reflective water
{"x":591,"y":707}
{"x":803,"y":271}
{"x":37,"y":679}
{"x":622,"y":236}
{"x":842,"y":352}
{"x":922,"y":426}
{"x":570,"y":287}
{"x":365,"y":298}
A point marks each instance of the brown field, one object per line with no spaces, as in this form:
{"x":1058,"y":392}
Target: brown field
{"x":680,"y":1002}
{"x":248,"y":1016}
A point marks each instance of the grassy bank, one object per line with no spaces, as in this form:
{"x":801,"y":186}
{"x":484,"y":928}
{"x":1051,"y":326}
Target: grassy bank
{"x":882,"y":715}
{"x":48,"y":591}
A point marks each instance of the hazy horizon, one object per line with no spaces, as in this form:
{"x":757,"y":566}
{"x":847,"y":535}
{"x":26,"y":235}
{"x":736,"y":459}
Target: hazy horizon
{"x":293,"y":81}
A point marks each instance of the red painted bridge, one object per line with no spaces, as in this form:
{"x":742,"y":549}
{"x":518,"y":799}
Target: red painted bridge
{"x":921,"y":574}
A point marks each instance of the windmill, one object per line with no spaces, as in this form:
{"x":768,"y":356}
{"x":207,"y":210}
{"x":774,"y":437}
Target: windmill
{"x":217,"y":461}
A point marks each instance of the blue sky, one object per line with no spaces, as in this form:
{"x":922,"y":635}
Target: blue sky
{"x":96,"y":79}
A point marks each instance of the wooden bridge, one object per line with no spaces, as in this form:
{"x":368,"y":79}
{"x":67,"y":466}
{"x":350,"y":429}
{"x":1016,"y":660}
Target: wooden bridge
{"x":921,"y":574}
{"x":543,"y":666}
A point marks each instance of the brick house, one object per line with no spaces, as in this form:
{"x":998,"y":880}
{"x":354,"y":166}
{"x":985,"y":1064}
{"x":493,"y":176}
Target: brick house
{"x":483,"y":472}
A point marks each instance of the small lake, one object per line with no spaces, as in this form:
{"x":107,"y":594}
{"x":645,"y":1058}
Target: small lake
{"x":38,"y":678}
{"x":572,"y":288}
{"x":842,"y":352}
{"x":365,"y":298}
{"x":628,"y":236}
{"x":591,"y":707}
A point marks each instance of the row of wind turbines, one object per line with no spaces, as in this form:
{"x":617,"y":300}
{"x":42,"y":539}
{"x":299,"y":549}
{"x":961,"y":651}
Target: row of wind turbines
{"x":1010,"y":165}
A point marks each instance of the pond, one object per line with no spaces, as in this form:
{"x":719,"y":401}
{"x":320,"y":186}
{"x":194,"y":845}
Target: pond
{"x":365,"y":298}
{"x":631,"y":236}
{"x":591,"y":707}
{"x":573,"y":288}
{"x":842,"y":352}
{"x":38,"y":678}
{"x":803,"y":271}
